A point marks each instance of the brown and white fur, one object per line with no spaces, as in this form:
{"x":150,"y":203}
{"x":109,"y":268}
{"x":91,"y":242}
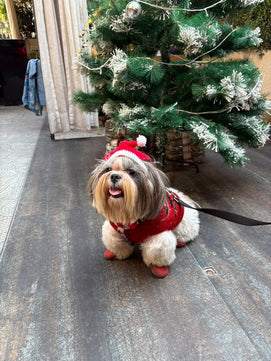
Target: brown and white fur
{"x":124,"y":192}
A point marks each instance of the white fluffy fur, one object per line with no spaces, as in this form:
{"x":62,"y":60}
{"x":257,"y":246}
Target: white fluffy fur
{"x":116,"y":242}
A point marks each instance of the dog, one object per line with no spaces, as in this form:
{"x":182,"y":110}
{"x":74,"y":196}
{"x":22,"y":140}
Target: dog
{"x":132,"y":194}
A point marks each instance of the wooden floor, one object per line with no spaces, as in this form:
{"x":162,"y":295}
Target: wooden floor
{"x":62,"y":301}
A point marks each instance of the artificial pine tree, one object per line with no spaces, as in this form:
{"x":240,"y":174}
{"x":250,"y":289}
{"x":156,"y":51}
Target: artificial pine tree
{"x":160,"y":65}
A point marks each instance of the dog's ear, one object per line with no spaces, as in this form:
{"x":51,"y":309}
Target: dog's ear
{"x":159,"y":182}
{"x":157,"y":177}
{"x":94,"y":178}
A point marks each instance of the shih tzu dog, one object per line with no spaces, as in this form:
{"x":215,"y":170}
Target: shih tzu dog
{"x":132,"y":194}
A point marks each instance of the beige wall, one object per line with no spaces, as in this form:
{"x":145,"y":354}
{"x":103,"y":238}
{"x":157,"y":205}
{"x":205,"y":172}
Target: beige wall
{"x":31,"y":46}
{"x":263,"y":63}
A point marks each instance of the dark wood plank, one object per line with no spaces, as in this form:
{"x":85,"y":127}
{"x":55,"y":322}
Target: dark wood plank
{"x":65,"y":302}
{"x":240,"y":255}
{"x":60,"y":300}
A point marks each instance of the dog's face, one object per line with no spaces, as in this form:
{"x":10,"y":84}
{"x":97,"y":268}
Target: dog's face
{"x":124,"y":192}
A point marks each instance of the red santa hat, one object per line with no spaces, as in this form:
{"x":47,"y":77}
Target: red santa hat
{"x":127,"y":149}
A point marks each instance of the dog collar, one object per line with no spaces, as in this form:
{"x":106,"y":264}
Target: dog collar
{"x":121,"y":228}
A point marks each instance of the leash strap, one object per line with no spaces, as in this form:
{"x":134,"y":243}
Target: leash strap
{"x":232,"y":217}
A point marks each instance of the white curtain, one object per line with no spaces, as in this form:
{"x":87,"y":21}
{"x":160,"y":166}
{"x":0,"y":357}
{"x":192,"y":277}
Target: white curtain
{"x":60,"y":24}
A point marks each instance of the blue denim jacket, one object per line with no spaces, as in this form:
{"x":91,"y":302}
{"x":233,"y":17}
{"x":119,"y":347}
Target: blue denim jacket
{"x":33,"y":94}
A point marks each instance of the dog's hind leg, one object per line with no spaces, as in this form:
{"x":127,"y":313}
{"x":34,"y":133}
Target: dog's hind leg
{"x":188,"y":229}
{"x":115,"y":243}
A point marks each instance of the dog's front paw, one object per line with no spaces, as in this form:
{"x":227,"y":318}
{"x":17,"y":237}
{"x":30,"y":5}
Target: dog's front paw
{"x":109,"y":255}
{"x":160,"y":272}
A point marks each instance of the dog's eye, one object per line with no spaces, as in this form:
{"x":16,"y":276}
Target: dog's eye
{"x":131,"y":172}
{"x":108,"y":169}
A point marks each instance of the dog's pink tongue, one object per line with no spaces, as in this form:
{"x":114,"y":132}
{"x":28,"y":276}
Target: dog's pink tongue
{"x":114,"y":192}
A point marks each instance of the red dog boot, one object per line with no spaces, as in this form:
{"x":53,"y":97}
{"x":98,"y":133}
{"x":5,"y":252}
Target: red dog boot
{"x":109,"y":255}
{"x":160,"y":272}
{"x":180,"y":244}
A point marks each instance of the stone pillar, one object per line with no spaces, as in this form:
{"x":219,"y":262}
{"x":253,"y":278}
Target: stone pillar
{"x":12,"y":19}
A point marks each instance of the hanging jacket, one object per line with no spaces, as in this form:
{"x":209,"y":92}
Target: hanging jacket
{"x":33,"y":93}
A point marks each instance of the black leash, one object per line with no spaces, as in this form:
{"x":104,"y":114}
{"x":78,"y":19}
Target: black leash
{"x":232,"y":217}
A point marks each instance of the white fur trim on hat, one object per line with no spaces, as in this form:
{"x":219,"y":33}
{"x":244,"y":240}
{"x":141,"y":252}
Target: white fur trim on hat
{"x":126,"y":153}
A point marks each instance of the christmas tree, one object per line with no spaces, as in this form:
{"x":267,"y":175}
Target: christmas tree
{"x":160,"y":65}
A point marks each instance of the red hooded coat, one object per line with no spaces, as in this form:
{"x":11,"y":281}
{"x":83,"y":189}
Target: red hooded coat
{"x":170,"y":216}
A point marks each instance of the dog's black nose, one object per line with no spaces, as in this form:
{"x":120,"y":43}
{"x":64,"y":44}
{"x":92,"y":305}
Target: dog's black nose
{"x":115,"y":178}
